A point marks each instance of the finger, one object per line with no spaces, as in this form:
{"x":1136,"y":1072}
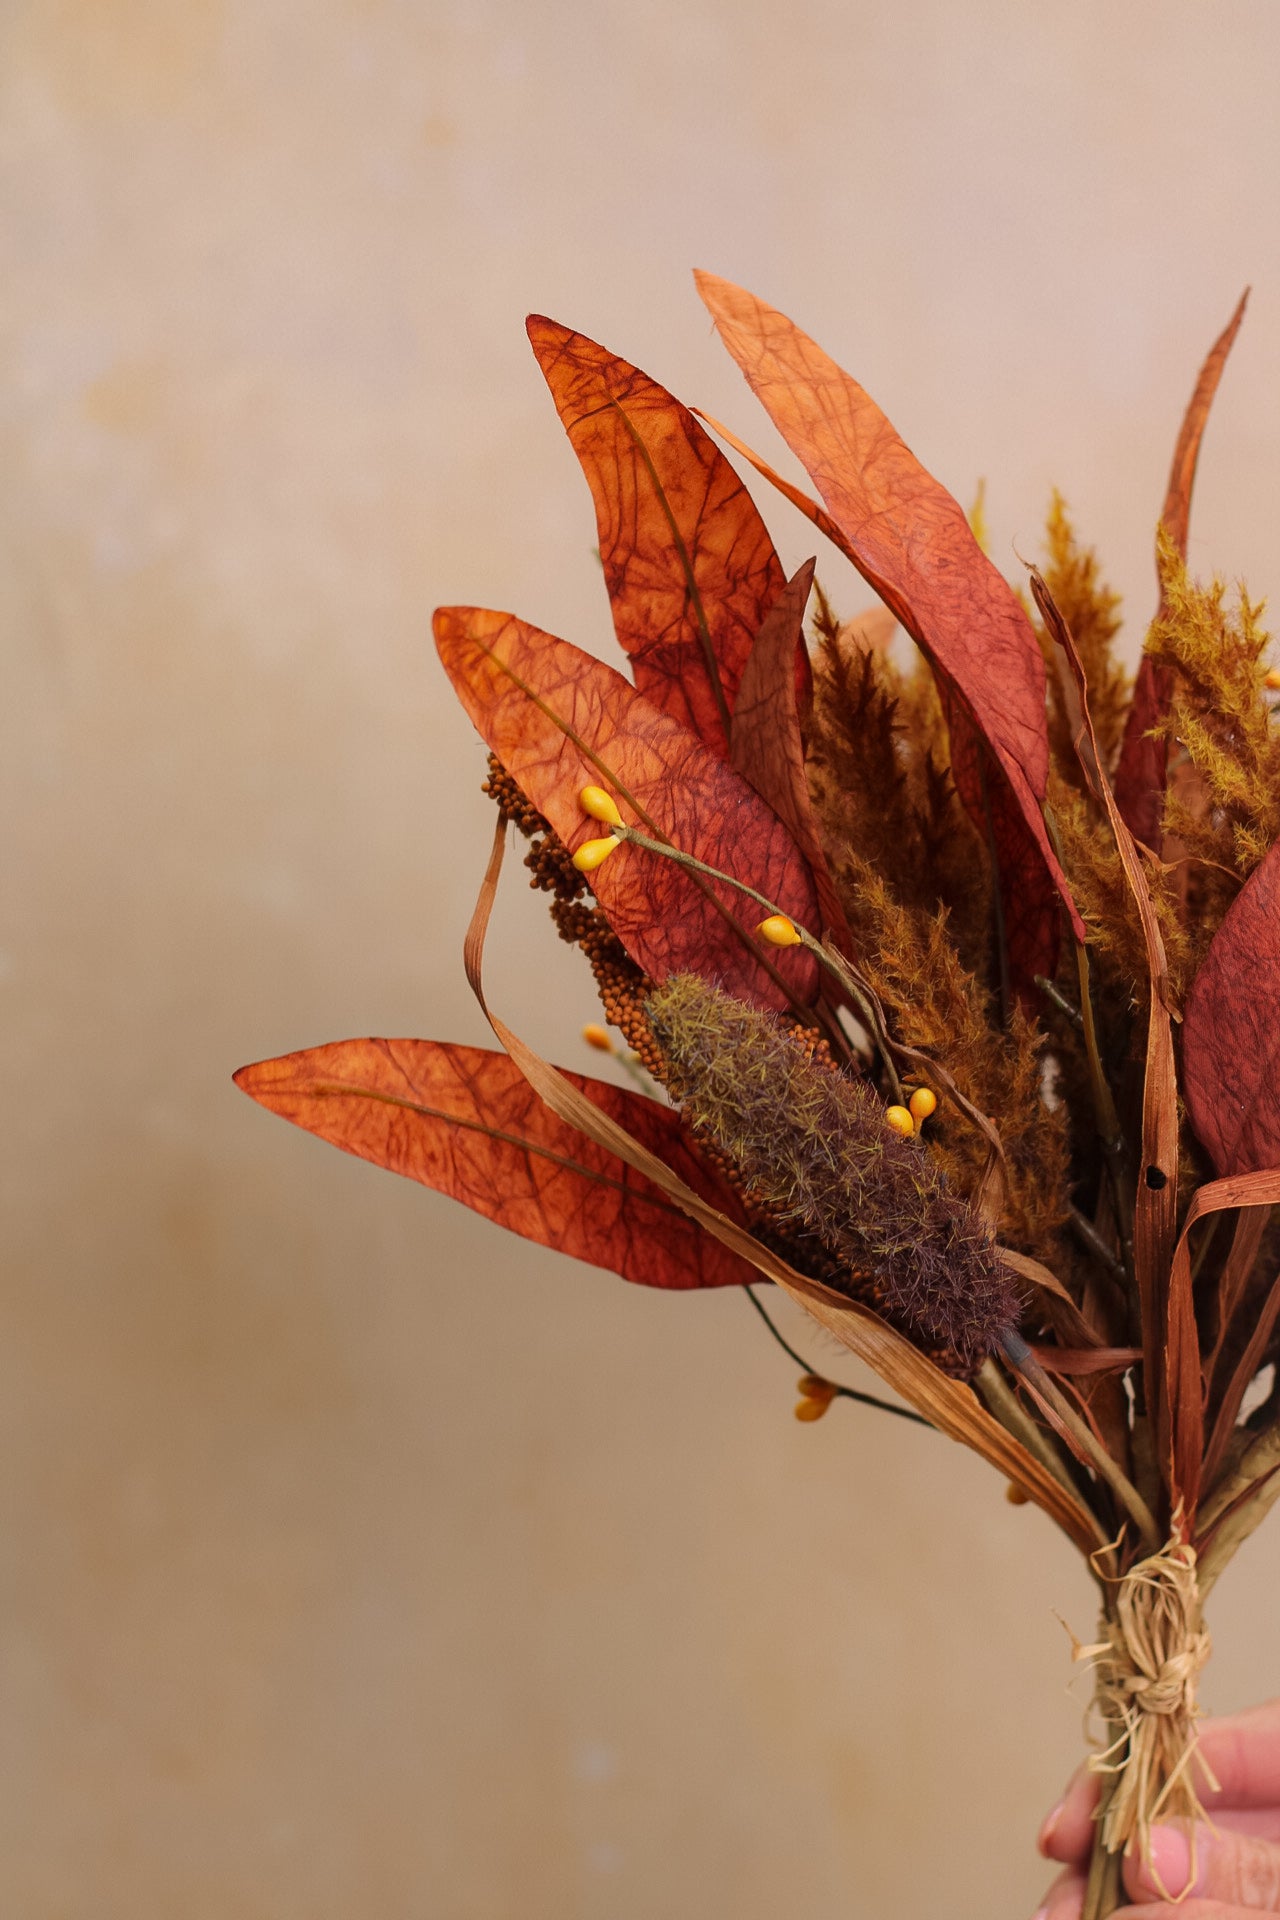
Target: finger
{"x":1067,"y":1833}
{"x":1234,"y":1869}
{"x":1064,"y":1898}
{"x":1262,"y":1822}
{"x":1243,"y":1750}
{"x":1192,"y":1910}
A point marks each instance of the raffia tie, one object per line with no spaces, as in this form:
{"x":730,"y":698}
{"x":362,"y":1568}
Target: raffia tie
{"x":1146,"y":1670}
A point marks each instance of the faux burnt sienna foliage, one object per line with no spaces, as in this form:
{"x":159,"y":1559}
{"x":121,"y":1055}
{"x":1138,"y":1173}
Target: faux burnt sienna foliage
{"x":948,"y":981}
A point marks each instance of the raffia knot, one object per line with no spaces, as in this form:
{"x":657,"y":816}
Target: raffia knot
{"x":1146,"y":1668}
{"x":1173,"y":1688}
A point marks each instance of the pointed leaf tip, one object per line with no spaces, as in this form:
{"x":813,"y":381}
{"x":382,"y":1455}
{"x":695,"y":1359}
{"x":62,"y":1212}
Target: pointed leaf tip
{"x":688,"y":563}
{"x":466,"y":1122}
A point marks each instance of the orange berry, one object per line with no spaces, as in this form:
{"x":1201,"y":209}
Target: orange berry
{"x":778,"y":931}
{"x":597,"y":1037}
{"x":811,"y":1409}
{"x":923,"y":1102}
{"x":1273,"y":678}
{"x":900,"y":1121}
{"x":814,"y":1387}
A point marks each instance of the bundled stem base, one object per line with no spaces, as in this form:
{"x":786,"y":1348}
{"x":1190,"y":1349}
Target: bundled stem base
{"x":1146,"y":1669}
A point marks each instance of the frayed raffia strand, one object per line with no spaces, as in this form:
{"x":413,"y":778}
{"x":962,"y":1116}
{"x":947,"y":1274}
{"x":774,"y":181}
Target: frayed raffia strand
{"x":1145,"y":1675}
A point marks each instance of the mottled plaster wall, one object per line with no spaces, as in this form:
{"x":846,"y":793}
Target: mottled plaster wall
{"x":356,"y":1559}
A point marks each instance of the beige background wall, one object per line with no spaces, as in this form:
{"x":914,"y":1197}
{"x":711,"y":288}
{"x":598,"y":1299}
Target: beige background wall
{"x":357,"y":1560}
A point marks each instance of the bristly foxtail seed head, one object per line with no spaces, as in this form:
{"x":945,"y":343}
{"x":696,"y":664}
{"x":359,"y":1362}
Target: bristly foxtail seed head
{"x":814,"y":1144}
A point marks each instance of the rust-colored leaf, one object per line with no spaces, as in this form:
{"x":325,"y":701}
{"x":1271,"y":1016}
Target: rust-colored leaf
{"x":766,"y":744}
{"x":465,"y":1121}
{"x":1258,"y":1189}
{"x":1086,"y":1360}
{"x":1142,"y":769}
{"x":559,"y":720}
{"x":912,"y":542}
{"x":1231,"y":1034}
{"x":952,"y":1407}
{"x":688,"y":562}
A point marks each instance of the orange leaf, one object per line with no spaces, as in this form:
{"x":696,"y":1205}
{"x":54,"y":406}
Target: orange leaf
{"x":465,"y":1121}
{"x":688,"y":562}
{"x":559,"y":720}
{"x":1142,"y":769}
{"x":1231,"y":1033}
{"x":912,"y":542}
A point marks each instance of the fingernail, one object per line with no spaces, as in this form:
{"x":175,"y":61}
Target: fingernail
{"x":1041,"y":1913}
{"x":1047,"y":1832}
{"x":1170,"y":1868}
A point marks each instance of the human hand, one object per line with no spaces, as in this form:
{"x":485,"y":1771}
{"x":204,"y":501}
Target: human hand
{"x":1237,"y":1865}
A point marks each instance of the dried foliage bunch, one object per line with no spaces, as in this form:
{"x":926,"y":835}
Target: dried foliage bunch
{"x":950,"y":988}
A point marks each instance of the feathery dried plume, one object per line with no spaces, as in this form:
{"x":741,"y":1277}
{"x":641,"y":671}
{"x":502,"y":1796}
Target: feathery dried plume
{"x":815,"y":1145}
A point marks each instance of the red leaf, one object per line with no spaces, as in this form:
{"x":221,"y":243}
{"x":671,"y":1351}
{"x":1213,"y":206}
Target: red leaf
{"x":1143,"y":766}
{"x":465,"y":1121}
{"x":912,"y":542}
{"x":559,"y":720}
{"x":688,"y":562}
{"x":767,"y":748}
{"x":1231,"y":1032}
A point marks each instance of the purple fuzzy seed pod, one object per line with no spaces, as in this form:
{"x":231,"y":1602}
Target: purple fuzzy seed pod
{"x":814,"y":1145}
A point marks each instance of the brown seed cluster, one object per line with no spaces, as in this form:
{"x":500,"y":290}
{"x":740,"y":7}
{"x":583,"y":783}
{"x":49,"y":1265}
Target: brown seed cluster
{"x":622,"y":987}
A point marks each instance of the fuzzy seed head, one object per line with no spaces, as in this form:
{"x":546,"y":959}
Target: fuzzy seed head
{"x":813,"y":1144}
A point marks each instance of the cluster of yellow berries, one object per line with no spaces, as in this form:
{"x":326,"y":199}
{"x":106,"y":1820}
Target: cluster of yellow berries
{"x":909,"y":1119}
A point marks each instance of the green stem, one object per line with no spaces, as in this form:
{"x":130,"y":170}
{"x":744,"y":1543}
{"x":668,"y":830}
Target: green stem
{"x":842,"y":1393}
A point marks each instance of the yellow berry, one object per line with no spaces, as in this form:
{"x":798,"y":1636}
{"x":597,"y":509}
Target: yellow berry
{"x":1014,"y":1494}
{"x":592,"y":853}
{"x":811,"y":1409}
{"x":597,"y":1037}
{"x":778,"y":931}
{"x":600,"y":805}
{"x":900,"y":1120}
{"x":923,"y":1102}
{"x":1273,"y":678}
